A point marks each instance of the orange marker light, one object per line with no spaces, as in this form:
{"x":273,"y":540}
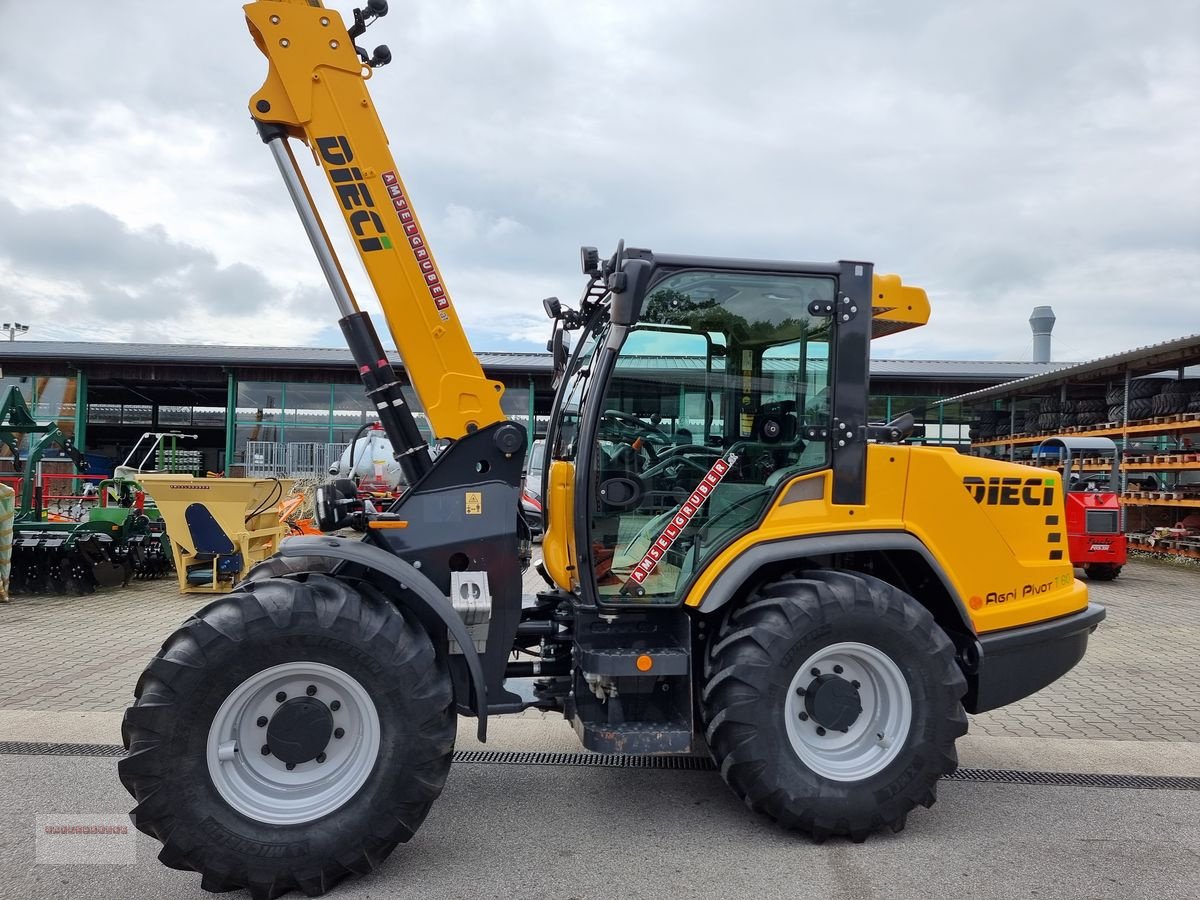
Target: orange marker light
{"x":378,"y":524}
{"x":975,"y":602}
{"x":645,"y":663}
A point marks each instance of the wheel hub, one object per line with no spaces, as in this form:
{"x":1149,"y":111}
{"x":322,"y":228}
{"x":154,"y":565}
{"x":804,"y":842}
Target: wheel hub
{"x":848,"y":711}
{"x":300,"y":730}
{"x":293,"y":742}
{"x":832,"y":702}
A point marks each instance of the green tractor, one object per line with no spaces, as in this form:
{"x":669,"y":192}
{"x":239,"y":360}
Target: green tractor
{"x":105,"y":546}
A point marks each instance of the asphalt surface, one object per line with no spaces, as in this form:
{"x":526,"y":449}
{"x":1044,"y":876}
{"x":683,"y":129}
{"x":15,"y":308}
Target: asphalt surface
{"x":547,"y":832}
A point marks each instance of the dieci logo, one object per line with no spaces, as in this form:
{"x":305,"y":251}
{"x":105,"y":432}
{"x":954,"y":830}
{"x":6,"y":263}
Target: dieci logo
{"x":352,"y":191}
{"x":1010,"y":491}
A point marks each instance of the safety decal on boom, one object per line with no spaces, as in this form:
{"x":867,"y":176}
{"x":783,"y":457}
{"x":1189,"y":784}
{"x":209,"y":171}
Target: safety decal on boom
{"x":678,"y":522}
{"x":416,"y":241}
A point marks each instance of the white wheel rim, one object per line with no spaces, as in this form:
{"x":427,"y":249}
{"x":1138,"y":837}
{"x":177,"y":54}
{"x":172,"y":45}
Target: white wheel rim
{"x":261,"y":786}
{"x":875,"y":737}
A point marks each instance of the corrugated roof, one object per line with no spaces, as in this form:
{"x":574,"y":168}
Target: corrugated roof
{"x":215,"y":354}
{"x":1150,"y":359}
{"x":339,"y":357}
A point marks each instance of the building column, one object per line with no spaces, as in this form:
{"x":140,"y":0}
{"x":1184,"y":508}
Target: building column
{"x":230,"y":419}
{"x":81,"y":406}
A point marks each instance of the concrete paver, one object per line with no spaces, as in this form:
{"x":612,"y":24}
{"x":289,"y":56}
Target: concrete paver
{"x":1136,"y":683}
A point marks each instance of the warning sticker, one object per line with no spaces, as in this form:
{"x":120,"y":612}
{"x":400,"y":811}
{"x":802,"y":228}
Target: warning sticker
{"x":474,"y":503}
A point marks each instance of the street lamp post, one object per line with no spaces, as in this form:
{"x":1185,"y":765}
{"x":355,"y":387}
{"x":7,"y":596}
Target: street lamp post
{"x":13,"y":329}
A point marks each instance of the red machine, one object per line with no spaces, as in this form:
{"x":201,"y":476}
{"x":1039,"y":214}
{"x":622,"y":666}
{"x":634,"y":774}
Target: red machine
{"x":1095,"y":522}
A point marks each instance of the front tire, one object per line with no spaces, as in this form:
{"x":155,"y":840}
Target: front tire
{"x":223,"y":736}
{"x":832,"y":703}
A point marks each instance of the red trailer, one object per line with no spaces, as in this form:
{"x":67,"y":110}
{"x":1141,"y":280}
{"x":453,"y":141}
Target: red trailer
{"x":1095,"y":521}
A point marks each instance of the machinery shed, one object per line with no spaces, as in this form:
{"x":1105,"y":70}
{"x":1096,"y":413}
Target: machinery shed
{"x":1147,"y":400}
{"x":106,"y":395}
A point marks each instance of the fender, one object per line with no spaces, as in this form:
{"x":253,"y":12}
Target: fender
{"x":743,"y":568}
{"x":423,"y":594}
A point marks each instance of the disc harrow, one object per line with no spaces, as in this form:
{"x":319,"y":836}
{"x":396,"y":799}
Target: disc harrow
{"x":47,"y":561}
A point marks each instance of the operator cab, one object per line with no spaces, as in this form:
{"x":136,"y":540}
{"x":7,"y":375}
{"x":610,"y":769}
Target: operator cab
{"x":686,"y":407}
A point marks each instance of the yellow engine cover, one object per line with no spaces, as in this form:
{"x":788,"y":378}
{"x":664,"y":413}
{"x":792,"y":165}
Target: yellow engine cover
{"x":997,"y":529}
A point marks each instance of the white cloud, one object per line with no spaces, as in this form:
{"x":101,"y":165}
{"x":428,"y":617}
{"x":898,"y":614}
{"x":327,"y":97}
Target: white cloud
{"x":1001,"y":155}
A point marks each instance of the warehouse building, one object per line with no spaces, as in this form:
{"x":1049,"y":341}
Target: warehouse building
{"x":263,"y":410}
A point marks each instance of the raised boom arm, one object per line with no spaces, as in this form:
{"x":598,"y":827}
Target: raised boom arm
{"x":316,"y":92}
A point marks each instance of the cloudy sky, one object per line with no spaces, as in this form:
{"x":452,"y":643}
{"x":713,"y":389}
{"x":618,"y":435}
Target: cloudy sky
{"x":1002,"y":155}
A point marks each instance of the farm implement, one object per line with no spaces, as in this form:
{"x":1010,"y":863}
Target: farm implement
{"x":107,"y":545}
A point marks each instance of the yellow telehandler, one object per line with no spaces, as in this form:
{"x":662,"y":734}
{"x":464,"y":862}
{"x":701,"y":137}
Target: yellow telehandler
{"x":734,"y":557}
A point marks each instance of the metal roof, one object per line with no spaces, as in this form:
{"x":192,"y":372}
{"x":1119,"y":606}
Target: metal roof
{"x":339,"y":357}
{"x":1177,"y":353}
{"x":215,"y":354}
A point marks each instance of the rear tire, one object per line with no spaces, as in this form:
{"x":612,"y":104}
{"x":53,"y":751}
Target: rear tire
{"x":908,"y":686}
{"x":387,"y":759}
{"x":1101,"y":571}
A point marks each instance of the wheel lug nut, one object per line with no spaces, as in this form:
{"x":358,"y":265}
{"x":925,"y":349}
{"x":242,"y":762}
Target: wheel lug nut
{"x":837,"y":670}
{"x":320,"y":757}
{"x":803,"y":717}
{"x":335,"y":705}
{"x":291,"y":766}
{"x":338,"y":732}
{"x":815,"y":672}
{"x":280,"y":697}
{"x":820,"y":731}
{"x":266,"y":751}
{"x":262,"y":722}
{"x":312,"y":689}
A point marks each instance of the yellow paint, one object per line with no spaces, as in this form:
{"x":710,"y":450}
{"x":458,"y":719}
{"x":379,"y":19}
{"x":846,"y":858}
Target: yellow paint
{"x":896,"y":306}
{"x":984,"y":549}
{"x":316,"y":88}
{"x":558,"y":543}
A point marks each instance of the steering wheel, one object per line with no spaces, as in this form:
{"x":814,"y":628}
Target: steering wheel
{"x":632,"y":421}
{"x":667,"y":462}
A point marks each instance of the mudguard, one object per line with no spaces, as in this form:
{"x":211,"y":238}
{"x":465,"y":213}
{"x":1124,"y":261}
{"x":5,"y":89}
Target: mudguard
{"x":421,"y":592}
{"x":759,"y":555}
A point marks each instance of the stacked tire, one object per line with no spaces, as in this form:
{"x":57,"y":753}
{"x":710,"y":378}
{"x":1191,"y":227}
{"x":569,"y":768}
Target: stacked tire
{"x":1175,"y":397}
{"x":987,"y":425}
{"x":1143,"y":394}
{"x":1027,"y":422}
{"x":1049,"y":415}
{"x":1115,"y":398}
{"x":1003,"y":423}
{"x":1092,"y":411}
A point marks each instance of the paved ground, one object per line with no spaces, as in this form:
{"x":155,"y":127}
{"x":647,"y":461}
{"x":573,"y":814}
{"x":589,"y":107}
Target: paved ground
{"x":1137,"y":682}
{"x":541,"y":832}
{"x":67,"y":667}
